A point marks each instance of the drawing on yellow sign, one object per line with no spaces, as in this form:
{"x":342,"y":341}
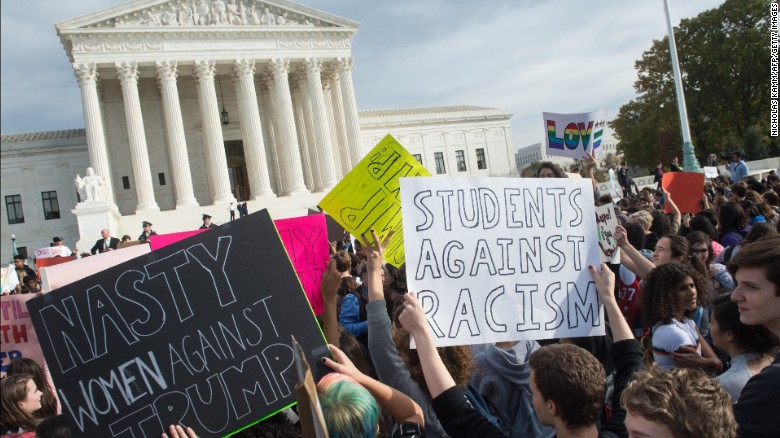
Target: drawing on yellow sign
{"x":369,"y":196}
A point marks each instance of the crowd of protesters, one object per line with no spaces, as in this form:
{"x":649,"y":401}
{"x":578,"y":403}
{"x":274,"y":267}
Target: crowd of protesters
{"x":693,"y":320}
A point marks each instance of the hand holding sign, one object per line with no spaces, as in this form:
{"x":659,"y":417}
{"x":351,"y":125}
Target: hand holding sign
{"x":412,"y":318}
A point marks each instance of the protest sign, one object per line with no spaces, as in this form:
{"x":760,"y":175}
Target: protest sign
{"x":606,"y":222}
{"x":52,"y":251}
{"x":56,"y":276}
{"x":51,"y":261}
{"x":502,"y":259}
{"x":710,"y":172}
{"x":574,"y":135}
{"x":195,"y":333}
{"x":335,"y":230}
{"x":686,"y":190}
{"x":9,"y":279}
{"x":17,"y":332}
{"x":307,"y":246}
{"x":160,"y":240}
{"x":368,"y":198}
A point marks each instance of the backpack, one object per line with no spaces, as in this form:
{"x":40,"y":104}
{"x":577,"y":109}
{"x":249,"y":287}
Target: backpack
{"x":728,"y":253}
{"x":478,"y":402}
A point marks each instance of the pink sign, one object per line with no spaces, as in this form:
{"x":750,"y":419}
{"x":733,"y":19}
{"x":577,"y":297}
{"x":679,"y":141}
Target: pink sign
{"x":17,"y":333}
{"x":161,"y":240}
{"x":306,"y":241}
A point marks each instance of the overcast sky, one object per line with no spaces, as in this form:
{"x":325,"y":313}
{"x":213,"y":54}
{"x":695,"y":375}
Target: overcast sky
{"x":525,"y":56}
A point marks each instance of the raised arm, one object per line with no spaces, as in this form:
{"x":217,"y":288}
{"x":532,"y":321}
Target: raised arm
{"x":630,"y":256}
{"x":398,"y":404}
{"x":413,"y":320}
{"x":329,"y":287}
{"x":672,"y":206}
{"x":456,"y":414}
{"x":605,"y":285}
{"x":375,"y":251}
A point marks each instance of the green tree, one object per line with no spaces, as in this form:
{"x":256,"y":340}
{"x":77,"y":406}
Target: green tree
{"x":724,"y":59}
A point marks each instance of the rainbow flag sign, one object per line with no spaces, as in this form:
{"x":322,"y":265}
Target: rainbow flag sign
{"x":574,"y":135}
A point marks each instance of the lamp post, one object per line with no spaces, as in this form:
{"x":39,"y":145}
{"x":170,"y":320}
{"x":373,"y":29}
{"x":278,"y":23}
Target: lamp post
{"x":690,"y":163}
{"x":13,"y":245}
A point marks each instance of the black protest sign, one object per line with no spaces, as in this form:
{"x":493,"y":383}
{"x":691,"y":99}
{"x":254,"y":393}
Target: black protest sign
{"x":335,"y":230}
{"x":196,"y":333}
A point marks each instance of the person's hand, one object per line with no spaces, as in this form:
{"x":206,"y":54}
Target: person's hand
{"x":621,"y":236}
{"x":689,"y":357}
{"x":605,"y":282}
{"x":589,"y":160}
{"x":331,"y":281}
{"x":413,"y":318}
{"x":342,"y":364}
{"x":375,"y":250}
{"x":177,"y":431}
{"x":332,"y":247}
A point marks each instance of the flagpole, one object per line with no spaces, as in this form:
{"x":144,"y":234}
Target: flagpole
{"x":690,"y":163}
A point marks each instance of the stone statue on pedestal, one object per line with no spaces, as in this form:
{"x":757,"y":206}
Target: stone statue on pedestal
{"x":91,"y":187}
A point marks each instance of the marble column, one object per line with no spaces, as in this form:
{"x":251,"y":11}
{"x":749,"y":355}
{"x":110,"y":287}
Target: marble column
{"x":311,"y":143}
{"x":297,"y":81}
{"x":322,"y":131}
{"x":327,"y":91}
{"x":174,"y":129}
{"x":212,"y":129}
{"x":351,"y":120}
{"x":337,"y":105}
{"x":290,"y":163}
{"x":251,"y":129}
{"x":139,"y":155}
{"x":87,"y":76}
{"x":265,"y":84}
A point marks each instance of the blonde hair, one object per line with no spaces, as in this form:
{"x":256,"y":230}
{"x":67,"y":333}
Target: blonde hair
{"x":643,"y":218}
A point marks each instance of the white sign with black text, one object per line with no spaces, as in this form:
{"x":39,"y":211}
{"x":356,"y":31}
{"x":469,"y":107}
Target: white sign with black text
{"x":502,"y":259}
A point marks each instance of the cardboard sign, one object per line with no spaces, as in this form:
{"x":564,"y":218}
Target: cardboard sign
{"x":710,"y":172}
{"x":9,"y":279}
{"x":502,"y":259}
{"x":56,"y":276}
{"x":606,"y":223}
{"x":574,"y":135}
{"x":160,"y":240}
{"x":52,"y":251}
{"x":52,"y":261}
{"x":368,"y":198}
{"x":18,"y":334}
{"x":335,"y":230}
{"x":686,"y":189}
{"x":307,"y":246}
{"x":195,"y":333}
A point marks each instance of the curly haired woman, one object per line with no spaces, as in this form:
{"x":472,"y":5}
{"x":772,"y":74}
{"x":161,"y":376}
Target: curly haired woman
{"x":671,"y":294}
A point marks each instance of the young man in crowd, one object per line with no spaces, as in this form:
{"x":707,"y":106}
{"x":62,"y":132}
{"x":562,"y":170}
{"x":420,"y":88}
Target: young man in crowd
{"x":756,"y":268}
{"x":738,"y":168}
{"x":681,"y":402}
{"x":147,"y":231}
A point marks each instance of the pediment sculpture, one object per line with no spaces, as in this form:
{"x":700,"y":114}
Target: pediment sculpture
{"x":189,"y":13}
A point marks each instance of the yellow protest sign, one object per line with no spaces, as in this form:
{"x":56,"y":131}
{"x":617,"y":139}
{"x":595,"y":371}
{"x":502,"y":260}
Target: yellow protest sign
{"x":369,"y":196}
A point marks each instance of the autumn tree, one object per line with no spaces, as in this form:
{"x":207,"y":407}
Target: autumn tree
{"x":724,"y":60}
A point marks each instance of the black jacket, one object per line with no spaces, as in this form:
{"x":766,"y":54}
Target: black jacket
{"x":460,"y":419}
{"x":100,"y":245}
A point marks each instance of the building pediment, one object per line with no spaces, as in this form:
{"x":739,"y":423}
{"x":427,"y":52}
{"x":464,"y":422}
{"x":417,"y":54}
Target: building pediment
{"x":156,"y":14}
{"x":181,"y":29}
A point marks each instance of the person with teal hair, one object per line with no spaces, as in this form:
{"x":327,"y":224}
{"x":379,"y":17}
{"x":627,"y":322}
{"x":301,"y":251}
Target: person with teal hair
{"x":350,"y":402}
{"x":348,"y":408}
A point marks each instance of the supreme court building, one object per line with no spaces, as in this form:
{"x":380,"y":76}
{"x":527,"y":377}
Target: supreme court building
{"x":192,"y":104}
